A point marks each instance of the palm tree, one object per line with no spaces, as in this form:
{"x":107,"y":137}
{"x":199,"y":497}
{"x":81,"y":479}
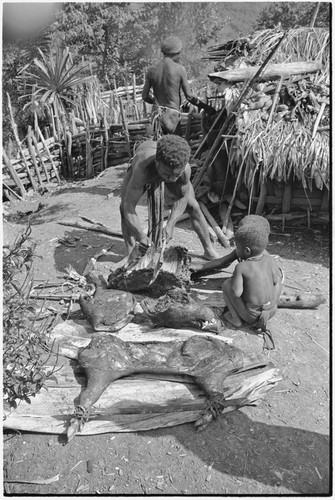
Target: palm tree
{"x":57,"y":83}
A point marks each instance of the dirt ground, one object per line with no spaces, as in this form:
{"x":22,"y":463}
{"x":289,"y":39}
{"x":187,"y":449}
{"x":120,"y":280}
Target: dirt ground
{"x":280,"y":447}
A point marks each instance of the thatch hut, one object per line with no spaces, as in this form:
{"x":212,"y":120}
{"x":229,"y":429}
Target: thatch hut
{"x":279,"y":154}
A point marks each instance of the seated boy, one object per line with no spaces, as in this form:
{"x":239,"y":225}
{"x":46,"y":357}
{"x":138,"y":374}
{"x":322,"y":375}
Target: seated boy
{"x":253,"y":291}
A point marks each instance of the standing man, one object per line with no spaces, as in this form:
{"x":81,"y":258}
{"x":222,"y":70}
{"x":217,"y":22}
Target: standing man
{"x":167,"y":79}
{"x":166,"y":160}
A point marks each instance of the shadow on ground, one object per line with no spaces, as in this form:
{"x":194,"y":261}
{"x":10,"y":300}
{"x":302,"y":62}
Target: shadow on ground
{"x":274,"y":455}
{"x":79,"y":246}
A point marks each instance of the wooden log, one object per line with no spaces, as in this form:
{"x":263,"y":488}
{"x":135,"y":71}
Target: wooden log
{"x":99,"y":228}
{"x":13,"y":174}
{"x":222,"y":238}
{"x":272,"y":72}
{"x":301,"y":301}
{"x":40,"y":156}
{"x":33,"y":156}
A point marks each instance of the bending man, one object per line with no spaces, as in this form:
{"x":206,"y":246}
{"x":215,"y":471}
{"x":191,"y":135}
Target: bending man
{"x":167,"y":161}
{"x":167,"y":79}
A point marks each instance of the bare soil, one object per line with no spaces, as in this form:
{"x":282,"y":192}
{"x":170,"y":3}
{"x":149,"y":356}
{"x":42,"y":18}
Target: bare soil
{"x":280,"y":447}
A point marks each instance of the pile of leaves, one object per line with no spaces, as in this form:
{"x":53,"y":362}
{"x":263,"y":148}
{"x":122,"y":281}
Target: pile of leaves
{"x":25,"y":354}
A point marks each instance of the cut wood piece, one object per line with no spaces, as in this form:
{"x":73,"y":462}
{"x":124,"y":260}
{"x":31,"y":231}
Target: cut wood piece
{"x":273,"y":71}
{"x":99,"y":228}
{"x":301,"y":301}
{"x":137,"y":274}
{"x":222,"y":238}
{"x":227,"y":376}
{"x":227,"y":229}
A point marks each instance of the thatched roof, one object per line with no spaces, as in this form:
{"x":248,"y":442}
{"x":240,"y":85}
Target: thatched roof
{"x":289,"y":134}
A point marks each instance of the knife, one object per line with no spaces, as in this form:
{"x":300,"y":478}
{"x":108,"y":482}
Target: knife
{"x":159,"y":262}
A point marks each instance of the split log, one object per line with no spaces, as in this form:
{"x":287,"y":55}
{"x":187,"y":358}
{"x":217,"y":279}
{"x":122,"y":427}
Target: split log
{"x":273,"y":71}
{"x":99,"y":228}
{"x":228,"y":377}
{"x":137,"y":274}
{"x":301,"y":301}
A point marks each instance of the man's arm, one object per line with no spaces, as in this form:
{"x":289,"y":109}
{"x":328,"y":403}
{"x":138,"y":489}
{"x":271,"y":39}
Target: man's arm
{"x":192,"y":98}
{"x":146,"y":90}
{"x":178,"y":208}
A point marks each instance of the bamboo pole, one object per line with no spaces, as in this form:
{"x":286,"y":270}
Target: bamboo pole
{"x":124,"y":123}
{"x":317,"y":121}
{"x":231,"y":115}
{"x":48,"y":153}
{"x":33,"y":156}
{"x":316,"y":10}
{"x":40,"y":157}
{"x":18,"y":142}
{"x":99,"y":228}
{"x":89,"y":165}
{"x":13,"y":174}
{"x":224,"y":240}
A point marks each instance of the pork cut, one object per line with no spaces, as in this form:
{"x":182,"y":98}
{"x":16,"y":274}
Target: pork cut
{"x":177,"y":309}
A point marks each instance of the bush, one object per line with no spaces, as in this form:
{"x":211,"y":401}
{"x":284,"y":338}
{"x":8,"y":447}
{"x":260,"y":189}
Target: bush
{"x":25,"y":353}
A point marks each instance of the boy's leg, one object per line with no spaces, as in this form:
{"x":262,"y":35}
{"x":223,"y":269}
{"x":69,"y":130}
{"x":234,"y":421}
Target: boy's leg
{"x":232,"y":316}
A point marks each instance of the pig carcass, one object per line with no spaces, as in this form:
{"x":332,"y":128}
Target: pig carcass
{"x":227,"y":376}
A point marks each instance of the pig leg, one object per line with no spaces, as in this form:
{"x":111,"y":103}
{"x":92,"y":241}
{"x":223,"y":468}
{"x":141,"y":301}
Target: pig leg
{"x":98,"y":380}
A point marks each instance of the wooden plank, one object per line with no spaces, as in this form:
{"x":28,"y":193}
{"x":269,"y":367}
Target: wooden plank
{"x":273,"y":71}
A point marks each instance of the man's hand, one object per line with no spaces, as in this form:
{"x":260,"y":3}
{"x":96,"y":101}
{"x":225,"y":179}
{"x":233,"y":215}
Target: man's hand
{"x":143,"y":245}
{"x":208,"y":109}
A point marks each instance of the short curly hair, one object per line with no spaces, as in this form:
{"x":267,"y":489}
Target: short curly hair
{"x":255,"y":220}
{"x":173,"y":151}
{"x":254,"y":236}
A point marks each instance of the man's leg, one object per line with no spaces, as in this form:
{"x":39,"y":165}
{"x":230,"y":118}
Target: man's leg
{"x":200,"y":225}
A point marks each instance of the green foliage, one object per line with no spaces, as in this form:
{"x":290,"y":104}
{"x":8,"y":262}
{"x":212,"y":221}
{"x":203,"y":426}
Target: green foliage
{"x":293,"y":14}
{"x":55,"y":80}
{"x":24,"y":358}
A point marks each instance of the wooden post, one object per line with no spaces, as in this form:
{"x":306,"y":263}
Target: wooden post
{"x":89,"y":166}
{"x":40,"y":157}
{"x":48,"y":153}
{"x":325,"y":200}
{"x":13,"y":174}
{"x":18,"y":142}
{"x":125,"y":128}
{"x":262,"y":196}
{"x":286,"y":205}
{"x":33,"y":156}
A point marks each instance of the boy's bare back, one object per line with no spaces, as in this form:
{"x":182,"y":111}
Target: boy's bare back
{"x":256,"y":279}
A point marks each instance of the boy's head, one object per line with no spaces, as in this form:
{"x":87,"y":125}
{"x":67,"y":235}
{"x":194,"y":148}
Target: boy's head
{"x":172,"y":155}
{"x":250,"y":240}
{"x":255,"y":220}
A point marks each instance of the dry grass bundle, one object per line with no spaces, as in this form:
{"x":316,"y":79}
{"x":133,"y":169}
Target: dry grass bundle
{"x":277,"y":152}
